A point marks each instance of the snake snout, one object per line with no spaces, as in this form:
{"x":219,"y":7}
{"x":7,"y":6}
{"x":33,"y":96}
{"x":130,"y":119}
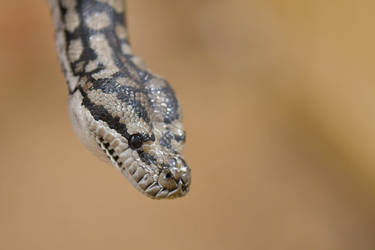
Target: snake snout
{"x":183,"y":179}
{"x":176,"y":180}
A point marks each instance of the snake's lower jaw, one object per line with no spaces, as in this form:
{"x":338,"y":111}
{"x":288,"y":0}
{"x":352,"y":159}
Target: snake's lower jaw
{"x":181,"y":190}
{"x":161,"y":188}
{"x":183,"y":186}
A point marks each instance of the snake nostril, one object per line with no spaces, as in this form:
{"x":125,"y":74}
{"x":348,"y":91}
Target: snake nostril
{"x":167,"y":181}
{"x":168,"y":175}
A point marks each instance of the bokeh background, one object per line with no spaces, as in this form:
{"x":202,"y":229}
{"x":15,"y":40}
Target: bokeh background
{"x":278,"y":98}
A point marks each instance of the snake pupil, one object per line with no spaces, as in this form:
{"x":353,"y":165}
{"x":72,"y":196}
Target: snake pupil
{"x":135,"y":141}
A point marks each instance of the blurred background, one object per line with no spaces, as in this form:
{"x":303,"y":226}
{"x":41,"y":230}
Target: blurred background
{"x":278,"y":99}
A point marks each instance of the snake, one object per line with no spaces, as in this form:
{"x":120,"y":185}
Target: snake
{"x":120,"y":110}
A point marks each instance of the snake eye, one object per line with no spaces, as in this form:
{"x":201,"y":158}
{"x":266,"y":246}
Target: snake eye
{"x":135,"y":141}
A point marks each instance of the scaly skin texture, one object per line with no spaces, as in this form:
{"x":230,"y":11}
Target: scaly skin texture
{"x":119,"y":109}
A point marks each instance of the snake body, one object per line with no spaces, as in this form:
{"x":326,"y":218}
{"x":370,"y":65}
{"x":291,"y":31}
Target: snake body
{"x":120,"y":110}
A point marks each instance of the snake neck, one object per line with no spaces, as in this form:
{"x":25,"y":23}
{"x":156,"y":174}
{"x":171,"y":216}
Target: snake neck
{"x":93,"y":44}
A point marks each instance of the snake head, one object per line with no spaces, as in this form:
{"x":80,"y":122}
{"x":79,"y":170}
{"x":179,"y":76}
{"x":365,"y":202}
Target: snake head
{"x":138,"y":130}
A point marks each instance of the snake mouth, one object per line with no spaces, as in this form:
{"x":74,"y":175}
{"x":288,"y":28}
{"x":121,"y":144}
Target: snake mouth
{"x":180,"y":191}
{"x":109,"y":150}
{"x":157,"y":191}
{"x":121,"y":156}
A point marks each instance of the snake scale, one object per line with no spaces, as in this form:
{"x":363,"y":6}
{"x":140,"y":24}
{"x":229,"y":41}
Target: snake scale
{"x":120,"y":110}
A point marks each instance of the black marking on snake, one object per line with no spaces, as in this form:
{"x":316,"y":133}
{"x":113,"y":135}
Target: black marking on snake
{"x":110,"y":151}
{"x":71,"y":92}
{"x":100,"y":113}
{"x":86,"y":8}
{"x":147,"y":137}
{"x":125,"y":94}
{"x":147,"y":158}
{"x":171,"y":104}
{"x":166,"y":139}
{"x":182,"y":160}
{"x":181,"y":138}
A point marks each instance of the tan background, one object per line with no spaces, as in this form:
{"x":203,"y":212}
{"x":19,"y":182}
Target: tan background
{"x":279,"y":101}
